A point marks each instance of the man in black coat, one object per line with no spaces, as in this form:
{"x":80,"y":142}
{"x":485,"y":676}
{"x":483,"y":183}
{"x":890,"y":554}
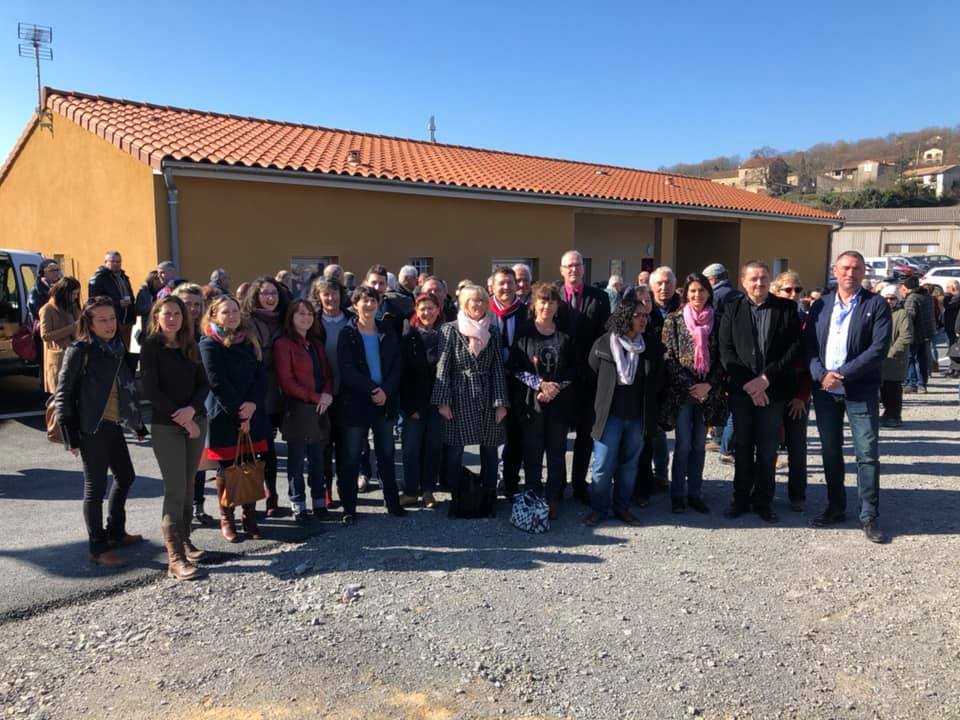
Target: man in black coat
{"x":110,"y":280}
{"x":951,"y":310}
{"x":583,"y":316}
{"x":759,"y":347}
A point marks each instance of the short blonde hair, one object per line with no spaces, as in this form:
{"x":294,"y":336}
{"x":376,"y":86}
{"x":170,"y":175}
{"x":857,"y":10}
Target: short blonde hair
{"x":782,"y":278}
{"x":468,"y":290}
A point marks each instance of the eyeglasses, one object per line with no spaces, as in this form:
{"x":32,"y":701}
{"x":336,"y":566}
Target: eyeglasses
{"x":572,"y":266}
{"x":792,"y":290}
{"x":268,"y":293}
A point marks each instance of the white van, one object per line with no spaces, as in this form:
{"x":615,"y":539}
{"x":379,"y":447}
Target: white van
{"x":18,"y":276}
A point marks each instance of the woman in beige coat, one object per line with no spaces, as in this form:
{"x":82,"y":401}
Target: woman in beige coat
{"x":58,"y":327}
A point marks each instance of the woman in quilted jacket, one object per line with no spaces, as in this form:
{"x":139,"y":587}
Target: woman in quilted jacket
{"x":695,"y":399}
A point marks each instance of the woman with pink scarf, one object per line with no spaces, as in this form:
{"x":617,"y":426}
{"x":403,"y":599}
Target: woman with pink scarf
{"x":695,"y":399}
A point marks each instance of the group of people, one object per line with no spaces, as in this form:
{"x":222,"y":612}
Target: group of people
{"x":509,"y":364}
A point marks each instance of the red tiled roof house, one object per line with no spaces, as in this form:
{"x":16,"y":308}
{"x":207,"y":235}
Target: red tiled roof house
{"x":254,"y":196}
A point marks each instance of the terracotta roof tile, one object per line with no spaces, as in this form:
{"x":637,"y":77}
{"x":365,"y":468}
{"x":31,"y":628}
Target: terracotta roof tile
{"x":154,"y":133}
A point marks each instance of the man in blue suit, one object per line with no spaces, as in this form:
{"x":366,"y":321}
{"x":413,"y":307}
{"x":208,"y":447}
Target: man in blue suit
{"x":846,"y":340}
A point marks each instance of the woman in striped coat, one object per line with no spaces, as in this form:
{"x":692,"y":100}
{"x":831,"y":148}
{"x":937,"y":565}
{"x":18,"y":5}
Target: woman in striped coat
{"x":470,"y":390}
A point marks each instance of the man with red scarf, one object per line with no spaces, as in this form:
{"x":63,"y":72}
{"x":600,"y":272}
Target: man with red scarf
{"x":583,"y":316}
{"x":511,"y":317}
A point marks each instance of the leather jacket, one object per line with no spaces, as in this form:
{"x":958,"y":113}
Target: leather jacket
{"x":83,"y":388}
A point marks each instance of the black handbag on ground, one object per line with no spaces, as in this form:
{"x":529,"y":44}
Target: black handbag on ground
{"x":302,"y":424}
{"x":470,"y":499}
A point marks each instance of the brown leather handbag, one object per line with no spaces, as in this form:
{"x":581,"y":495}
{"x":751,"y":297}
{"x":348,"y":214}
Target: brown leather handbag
{"x":243,"y":480}
{"x":54,"y":434}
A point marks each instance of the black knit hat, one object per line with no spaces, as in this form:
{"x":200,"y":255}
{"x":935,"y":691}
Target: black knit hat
{"x":911,"y":283}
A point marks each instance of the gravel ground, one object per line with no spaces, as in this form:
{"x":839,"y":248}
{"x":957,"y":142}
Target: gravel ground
{"x":429,"y":618}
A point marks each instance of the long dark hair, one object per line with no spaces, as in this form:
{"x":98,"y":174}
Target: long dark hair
{"x":62,"y":294}
{"x":620,"y":321}
{"x":85,"y":327}
{"x":185,"y":338}
{"x":251,"y":301}
{"x":696,"y":277}
{"x":288,"y":328}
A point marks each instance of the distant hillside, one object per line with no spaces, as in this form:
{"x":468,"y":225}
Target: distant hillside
{"x":895,"y":147}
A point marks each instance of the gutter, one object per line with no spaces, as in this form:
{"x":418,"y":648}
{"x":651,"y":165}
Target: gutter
{"x":348,"y":182}
{"x":172,"y":203}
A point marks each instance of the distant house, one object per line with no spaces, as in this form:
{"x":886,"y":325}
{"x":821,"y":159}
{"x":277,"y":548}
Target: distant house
{"x":944,"y":179}
{"x":899,"y":231}
{"x":804,"y":183}
{"x":855,"y":176}
{"x":932,"y":156}
{"x":757,"y":175}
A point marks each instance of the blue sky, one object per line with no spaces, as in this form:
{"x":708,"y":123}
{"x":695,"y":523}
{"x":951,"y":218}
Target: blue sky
{"x":641,"y":84}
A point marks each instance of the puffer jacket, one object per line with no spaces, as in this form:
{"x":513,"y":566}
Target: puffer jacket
{"x":83,"y":388}
{"x":919,"y":306}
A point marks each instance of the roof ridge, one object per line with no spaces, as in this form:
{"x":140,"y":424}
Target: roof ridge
{"x":176,"y":108}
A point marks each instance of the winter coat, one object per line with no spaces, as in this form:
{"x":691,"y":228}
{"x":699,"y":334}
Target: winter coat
{"x":528,"y":355}
{"x":951,"y":312}
{"x":236,"y":376}
{"x":356,"y":385}
{"x":267,"y":334}
{"x":895,"y":364}
{"x":419,"y":373}
{"x":920,"y":307}
{"x":171,"y":381}
{"x":38,"y":298}
{"x":649,"y":372}
{"x":680,"y":375}
{"x":294,"y":368}
{"x":724,"y":292}
{"x":86,"y":380}
{"x":104,"y":282}
{"x":58,"y":328}
{"x":474,"y":386}
{"x":867,"y":342}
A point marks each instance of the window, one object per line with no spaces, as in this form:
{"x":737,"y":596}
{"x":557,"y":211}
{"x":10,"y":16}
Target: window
{"x":616,"y":267}
{"x":422,"y":264}
{"x":779,"y":265}
{"x":303,"y":268}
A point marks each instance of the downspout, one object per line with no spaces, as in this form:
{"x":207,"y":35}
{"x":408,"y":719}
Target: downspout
{"x":172,"y":203}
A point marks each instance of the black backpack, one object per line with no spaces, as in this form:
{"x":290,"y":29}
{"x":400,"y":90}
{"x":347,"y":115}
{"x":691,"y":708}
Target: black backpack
{"x":470,"y":499}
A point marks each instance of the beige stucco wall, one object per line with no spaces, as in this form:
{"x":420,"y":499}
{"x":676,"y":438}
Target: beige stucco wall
{"x":71,"y":193}
{"x":804,"y":246}
{"x":604,"y":237}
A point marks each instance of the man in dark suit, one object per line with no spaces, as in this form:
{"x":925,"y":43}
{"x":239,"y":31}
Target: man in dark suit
{"x":583,"y":316}
{"x":846,"y":341}
{"x":759,"y":346}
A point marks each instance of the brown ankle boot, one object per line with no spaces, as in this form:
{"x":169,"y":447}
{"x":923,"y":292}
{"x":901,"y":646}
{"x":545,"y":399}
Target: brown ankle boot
{"x":250,"y":522}
{"x":193,"y":553}
{"x":227,"y":527}
{"x":178,"y":567}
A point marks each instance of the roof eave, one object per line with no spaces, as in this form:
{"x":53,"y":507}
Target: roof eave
{"x":354,"y":182}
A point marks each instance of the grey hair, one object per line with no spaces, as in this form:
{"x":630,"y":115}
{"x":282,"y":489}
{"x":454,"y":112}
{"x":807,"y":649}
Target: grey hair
{"x":525,"y":267}
{"x":573,"y":252}
{"x":407,"y":271}
{"x":613,"y":280}
{"x":665,"y":270}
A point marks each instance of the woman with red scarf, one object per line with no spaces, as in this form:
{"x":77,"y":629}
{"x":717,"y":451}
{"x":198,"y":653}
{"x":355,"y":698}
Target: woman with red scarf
{"x":238,"y":387}
{"x":695,"y":399}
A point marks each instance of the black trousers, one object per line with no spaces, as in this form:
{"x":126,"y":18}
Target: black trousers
{"x":795,"y":438}
{"x":757,"y":438}
{"x":105,"y":450}
{"x":513,"y":452}
{"x":891,"y":395}
{"x":544,"y":434}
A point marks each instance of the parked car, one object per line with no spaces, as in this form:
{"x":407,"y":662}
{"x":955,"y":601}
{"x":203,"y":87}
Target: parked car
{"x":941,"y":275}
{"x":18,"y":275}
{"x":932,"y":261}
{"x":889,"y":267}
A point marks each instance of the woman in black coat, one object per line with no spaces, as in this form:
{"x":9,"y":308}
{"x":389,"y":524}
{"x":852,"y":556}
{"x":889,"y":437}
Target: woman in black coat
{"x":96,"y":394}
{"x":368,"y":354}
{"x":543,"y":360}
{"x":238,"y":387}
{"x":420,"y":433}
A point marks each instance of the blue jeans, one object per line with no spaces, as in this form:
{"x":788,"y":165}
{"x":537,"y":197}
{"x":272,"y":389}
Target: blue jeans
{"x":689,"y":453}
{"x":421,"y":443}
{"x":864,"y":419}
{"x":727,"y":439}
{"x":354,"y":440}
{"x":918,"y":370}
{"x":296,"y":454}
{"x":615,"y":458}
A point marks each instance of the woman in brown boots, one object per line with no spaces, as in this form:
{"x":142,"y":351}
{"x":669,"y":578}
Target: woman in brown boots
{"x":175,"y":382}
{"x":238,"y":386}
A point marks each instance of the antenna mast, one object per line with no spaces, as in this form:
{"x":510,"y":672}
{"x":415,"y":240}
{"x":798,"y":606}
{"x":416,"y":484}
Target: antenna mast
{"x":35,"y":42}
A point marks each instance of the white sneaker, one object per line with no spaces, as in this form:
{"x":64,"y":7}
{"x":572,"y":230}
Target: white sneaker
{"x":362,"y":483}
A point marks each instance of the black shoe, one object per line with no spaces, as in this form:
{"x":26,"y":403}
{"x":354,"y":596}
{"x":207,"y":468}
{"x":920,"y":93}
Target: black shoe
{"x":205,"y":520}
{"x":319,"y":511}
{"x":582,"y":495}
{"x":735,"y":510}
{"x":677,"y":506}
{"x":641,"y":501}
{"x":660,"y":485}
{"x":300,"y":518}
{"x":349,"y":519}
{"x":766,"y":513}
{"x":698,"y":504}
{"x":397,"y":511}
{"x":871,"y":528}
{"x":829,"y":517}
{"x":797,"y":505}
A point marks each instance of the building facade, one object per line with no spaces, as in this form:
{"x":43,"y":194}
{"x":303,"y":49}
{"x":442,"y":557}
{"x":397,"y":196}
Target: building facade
{"x":899,"y":231}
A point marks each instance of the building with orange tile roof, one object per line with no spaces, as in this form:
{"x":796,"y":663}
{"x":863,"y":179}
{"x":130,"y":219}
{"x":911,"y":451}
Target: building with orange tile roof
{"x":215,"y":190}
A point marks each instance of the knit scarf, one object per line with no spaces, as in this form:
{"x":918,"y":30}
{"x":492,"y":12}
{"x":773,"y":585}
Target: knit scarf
{"x":626,"y":354}
{"x":505,"y":313}
{"x":222,"y":335}
{"x":477,"y":332}
{"x":699,"y":325}
{"x":113,"y":347}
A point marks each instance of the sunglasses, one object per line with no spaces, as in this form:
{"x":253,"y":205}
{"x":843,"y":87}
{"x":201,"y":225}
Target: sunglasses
{"x":792,"y":289}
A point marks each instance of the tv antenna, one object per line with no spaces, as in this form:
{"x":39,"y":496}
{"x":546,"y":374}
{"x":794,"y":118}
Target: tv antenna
{"x":35,"y":42}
